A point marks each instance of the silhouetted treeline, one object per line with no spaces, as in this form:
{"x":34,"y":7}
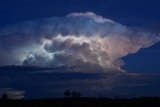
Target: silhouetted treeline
{"x":84,"y":102}
{"x":72,"y":94}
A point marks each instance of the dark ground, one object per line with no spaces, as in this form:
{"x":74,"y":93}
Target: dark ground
{"x":84,"y":102}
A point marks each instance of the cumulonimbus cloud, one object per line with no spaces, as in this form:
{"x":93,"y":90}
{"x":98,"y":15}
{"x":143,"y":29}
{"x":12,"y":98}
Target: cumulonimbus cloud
{"x":84,"y":40}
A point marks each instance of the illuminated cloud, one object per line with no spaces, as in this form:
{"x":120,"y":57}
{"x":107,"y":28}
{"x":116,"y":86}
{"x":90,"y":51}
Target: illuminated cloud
{"x":84,"y":40}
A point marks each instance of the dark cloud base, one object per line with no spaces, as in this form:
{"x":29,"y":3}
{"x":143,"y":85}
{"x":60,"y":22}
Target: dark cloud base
{"x":42,"y":84}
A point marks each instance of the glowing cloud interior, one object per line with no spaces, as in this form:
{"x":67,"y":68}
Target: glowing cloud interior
{"x":84,"y":40}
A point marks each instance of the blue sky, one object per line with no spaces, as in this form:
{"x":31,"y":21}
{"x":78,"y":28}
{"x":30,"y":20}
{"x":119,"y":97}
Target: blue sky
{"x":141,"y":12}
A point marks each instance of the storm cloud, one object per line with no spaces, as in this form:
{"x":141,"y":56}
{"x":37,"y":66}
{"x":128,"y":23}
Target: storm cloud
{"x":86,"y":41}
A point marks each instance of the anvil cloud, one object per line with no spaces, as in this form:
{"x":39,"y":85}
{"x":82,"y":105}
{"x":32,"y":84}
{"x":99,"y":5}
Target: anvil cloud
{"x":84,"y":40}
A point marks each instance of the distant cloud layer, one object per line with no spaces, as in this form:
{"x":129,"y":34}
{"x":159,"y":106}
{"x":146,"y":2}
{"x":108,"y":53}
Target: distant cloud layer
{"x":12,"y":94}
{"x":53,"y":84}
{"x":84,"y":40}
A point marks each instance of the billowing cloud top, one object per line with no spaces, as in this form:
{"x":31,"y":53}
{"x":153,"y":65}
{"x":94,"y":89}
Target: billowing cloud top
{"x":84,"y":40}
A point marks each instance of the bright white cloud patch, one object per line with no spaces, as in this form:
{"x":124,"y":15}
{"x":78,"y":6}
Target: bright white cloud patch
{"x":84,"y":40}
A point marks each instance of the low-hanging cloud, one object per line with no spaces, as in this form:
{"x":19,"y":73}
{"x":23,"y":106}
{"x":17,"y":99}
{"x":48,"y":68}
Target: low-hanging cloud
{"x":12,"y":94}
{"x":84,"y":40}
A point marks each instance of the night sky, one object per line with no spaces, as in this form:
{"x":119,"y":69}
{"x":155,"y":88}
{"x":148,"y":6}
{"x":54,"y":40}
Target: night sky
{"x":141,"y":68}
